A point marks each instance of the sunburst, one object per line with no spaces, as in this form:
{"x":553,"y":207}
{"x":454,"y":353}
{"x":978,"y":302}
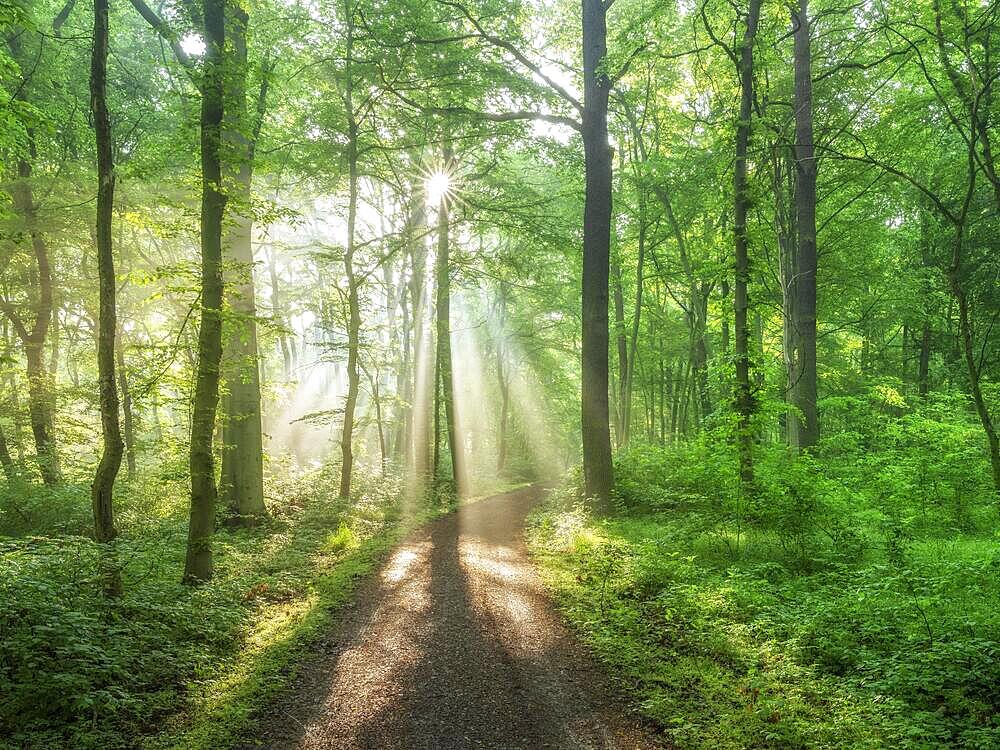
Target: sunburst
{"x":441,"y":183}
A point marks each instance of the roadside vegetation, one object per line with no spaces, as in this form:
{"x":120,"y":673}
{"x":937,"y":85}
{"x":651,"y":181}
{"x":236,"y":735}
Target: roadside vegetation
{"x":167,"y":665}
{"x":852,"y":604}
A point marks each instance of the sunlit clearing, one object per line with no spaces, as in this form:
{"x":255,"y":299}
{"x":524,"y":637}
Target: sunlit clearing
{"x":193,"y":44}
{"x":438,"y":186}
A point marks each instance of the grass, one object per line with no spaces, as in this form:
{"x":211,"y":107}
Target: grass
{"x":167,"y":666}
{"x":780,"y":646}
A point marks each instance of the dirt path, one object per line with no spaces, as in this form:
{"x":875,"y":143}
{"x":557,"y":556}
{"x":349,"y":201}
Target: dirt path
{"x":454,"y":644}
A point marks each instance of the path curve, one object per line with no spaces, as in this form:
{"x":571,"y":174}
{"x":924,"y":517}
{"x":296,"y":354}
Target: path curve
{"x":454,"y":645}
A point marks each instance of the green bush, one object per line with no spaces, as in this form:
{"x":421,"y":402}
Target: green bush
{"x":80,"y":671}
{"x":851,"y":604}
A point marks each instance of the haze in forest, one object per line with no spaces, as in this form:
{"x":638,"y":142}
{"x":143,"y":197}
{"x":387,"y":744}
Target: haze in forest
{"x":638,"y":357}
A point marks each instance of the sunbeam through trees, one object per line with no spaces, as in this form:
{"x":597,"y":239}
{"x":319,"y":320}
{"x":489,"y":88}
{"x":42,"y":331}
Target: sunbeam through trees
{"x":499,"y":373}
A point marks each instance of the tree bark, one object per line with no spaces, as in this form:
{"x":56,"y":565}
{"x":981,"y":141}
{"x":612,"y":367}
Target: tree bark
{"x":102,"y":489}
{"x":745,"y":400}
{"x":204,"y":494}
{"x":595,"y":426}
{"x":633,"y":349}
{"x":443,"y":359}
{"x":40,"y":383}
{"x":128,"y":414}
{"x":354,"y":319}
{"x":804,"y":389}
{"x":622,"y":344}
{"x":418,"y":413}
{"x":503,"y":382}
{"x":242,"y":480}
{"x":9,"y":469}
{"x":278,"y":314}
{"x":353,"y":304}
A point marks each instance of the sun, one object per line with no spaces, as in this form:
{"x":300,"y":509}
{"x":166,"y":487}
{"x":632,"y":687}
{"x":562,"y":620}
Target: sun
{"x":438,"y":186}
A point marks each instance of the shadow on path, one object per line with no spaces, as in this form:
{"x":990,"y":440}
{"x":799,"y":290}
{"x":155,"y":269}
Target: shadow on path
{"x":453,"y":645}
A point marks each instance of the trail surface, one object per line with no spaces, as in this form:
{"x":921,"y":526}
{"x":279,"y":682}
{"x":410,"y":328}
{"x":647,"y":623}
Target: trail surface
{"x":453,"y":645}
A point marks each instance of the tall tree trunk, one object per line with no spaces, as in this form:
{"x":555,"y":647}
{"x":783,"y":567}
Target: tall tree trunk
{"x":54,"y":342}
{"x":15,"y":413}
{"x":242,"y":480}
{"x":745,"y":400}
{"x":278,"y":314}
{"x":353,"y":304}
{"x":724,"y":294}
{"x":198,"y":562}
{"x":633,"y":349}
{"x":595,"y":426}
{"x":404,"y":381}
{"x":419,"y":414}
{"x":965,"y":331}
{"x":40,"y":384}
{"x":444,"y":361}
{"x":924,"y":358}
{"x":9,"y":469}
{"x":102,"y":489}
{"x":128,"y":414}
{"x":783,"y":186}
{"x":804,"y":391}
{"x":503,"y":382}
{"x":622,"y":344}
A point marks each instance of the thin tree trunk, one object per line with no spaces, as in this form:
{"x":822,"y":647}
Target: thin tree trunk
{"x":923,"y":366}
{"x":404,"y":402}
{"x":353,"y":304}
{"x":102,"y":489}
{"x":128,"y":414}
{"x":745,"y":401}
{"x":622,"y":344}
{"x":278,"y":314}
{"x":40,"y":384}
{"x":9,"y":469}
{"x":633,"y":349}
{"x":503,"y":381}
{"x":444,"y":361}
{"x":804,"y":391}
{"x":204,"y":494}
{"x":419,"y":413}
{"x":924,"y":359}
{"x":954,"y":274}
{"x":55,"y":339}
{"x":595,"y":426}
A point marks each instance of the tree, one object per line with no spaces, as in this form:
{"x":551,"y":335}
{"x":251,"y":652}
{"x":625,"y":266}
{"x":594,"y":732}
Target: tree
{"x":34,"y":336}
{"x":745,"y":400}
{"x":804,"y":433}
{"x":111,"y":458}
{"x":242,"y":480}
{"x":198,"y":562}
{"x":595,"y":411}
{"x":444,"y":389}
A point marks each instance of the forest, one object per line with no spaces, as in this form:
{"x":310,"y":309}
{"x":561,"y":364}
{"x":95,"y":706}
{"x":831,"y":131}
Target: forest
{"x":499,"y":374}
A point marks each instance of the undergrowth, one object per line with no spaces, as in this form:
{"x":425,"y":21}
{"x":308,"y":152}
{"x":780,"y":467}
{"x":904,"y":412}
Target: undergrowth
{"x":853,"y":604}
{"x":167,"y":665}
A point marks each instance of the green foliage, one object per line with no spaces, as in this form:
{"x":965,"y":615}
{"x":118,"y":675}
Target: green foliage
{"x":850,"y":605}
{"x":78,"y":670}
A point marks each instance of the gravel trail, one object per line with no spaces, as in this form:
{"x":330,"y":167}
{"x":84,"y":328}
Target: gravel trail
{"x":453,"y":645}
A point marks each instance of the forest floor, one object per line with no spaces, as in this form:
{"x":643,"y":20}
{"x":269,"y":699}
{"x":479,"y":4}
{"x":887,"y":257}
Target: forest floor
{"x":453,"y":644}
